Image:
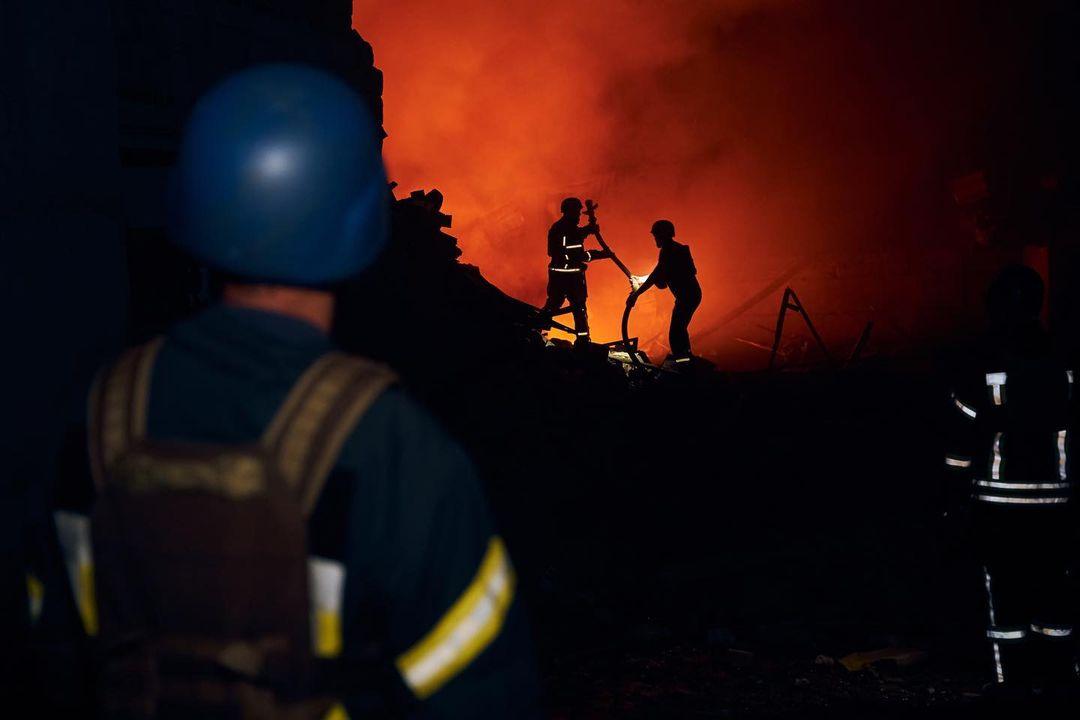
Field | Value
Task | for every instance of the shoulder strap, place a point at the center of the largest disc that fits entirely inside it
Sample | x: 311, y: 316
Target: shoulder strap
x: 309, y: 430
x: 117, y: 407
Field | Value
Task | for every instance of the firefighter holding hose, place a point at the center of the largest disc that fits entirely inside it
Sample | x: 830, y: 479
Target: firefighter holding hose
x: 566, y: 269
x: 674, y: 270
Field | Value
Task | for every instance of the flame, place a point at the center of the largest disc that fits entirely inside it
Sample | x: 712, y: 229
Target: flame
x: 784, y: 139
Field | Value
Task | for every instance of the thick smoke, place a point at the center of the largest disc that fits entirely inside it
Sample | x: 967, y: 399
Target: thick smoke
x: 788, y: 141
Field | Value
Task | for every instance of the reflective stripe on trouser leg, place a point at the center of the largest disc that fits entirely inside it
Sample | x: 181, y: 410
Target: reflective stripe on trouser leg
x: 1052, y: 631
x: 999, y: 669
x: 1063, y: 459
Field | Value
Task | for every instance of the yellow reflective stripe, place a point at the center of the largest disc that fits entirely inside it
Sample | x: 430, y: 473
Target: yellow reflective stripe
x: 326, y: 587
x: 466, y: 629
x: 35, y: 595
x: 87, y: 599
x: 327, y: 633
x: 336, y: 713
x: 73, y: 531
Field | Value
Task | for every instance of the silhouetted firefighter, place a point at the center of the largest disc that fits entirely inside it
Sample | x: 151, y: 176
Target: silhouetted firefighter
x: 566, y: 271
x: 268, y: 527
x: 1010, y: 418
x: 675, y: 270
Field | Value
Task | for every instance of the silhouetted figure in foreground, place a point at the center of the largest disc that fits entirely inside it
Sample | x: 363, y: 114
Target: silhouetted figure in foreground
x: 569, y: 260
x: 272, y: 528
x: 1011, y: 445
x: 675, y: 270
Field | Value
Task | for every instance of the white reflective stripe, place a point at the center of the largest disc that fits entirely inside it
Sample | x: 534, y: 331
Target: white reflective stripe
x: 326, y: 586
x: 1069, y: 376
x: 583, y: 334
x: 995, y: 463
x: 1021, y: 501
x: 1022, y: 486
x: 681, y: 360
x: 565, y: 269
x: 956, y: 461
x: 966, y: 409
x: 1052, y: 630
x: 989, y: 594
x: 73, y: 532
x: 564, y: 241
x: 999, y: 670
x: 1006, y: 634
x: 996, y: 381
x: 572, y: 247
x: 588, y: 256
x: 466, y: 629
x: 1063, y: 471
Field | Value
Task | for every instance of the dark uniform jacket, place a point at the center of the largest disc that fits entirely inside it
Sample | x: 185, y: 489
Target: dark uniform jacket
x: 402, y: 514
x: 675, y: 269
x: 566, y: 246
x: 1010, y: 425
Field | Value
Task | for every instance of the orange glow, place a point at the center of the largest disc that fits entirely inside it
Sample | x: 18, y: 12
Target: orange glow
x: 780, y: 138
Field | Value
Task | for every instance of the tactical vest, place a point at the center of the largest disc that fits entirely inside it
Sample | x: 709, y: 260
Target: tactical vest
x: 207, y: 604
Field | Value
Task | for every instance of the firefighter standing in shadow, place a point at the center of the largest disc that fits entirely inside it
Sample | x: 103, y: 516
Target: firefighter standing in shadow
x: 1010, y: 442
x: 566, y: 270
x: 265, y: 526
x: 675, y: 270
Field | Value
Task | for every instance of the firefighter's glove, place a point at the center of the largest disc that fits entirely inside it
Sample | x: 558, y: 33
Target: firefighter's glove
x: 592, y: 229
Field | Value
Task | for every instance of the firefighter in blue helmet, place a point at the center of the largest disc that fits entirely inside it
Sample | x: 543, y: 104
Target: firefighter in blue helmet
x: 269, y: 527
x: 1010, y: 425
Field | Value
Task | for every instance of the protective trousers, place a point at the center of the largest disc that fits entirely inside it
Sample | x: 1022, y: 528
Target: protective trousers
x: 679, y: 334
x: 1026, y: 576
x: 569, y: 286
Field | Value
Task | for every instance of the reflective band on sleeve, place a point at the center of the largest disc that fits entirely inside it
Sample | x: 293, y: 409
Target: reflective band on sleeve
x: 326, y: 583
x: 998, y: 668
x: 583, y: 334
x: 957, y: 461
x: 465, y: 630
x: 566, y: 270
x: 1063, y: 460
x: 997, y: 634
x: 966, y: 409
x: 1022, y: 486
x: 1021, y: 500
x: 573, y: 247
x: 1052, y: 630
x: 995, y: 461
x: 682, y: 360
x: 996, y: 381
x: 35, y: 595
x: 337, y: 712
x: 588, y: 256
x: 73, y: 531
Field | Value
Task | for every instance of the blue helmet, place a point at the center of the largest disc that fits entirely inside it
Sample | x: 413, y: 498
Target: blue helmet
x: 279, y: 179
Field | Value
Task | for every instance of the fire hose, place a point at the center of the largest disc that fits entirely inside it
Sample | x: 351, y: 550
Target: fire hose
x: 590, y: 212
